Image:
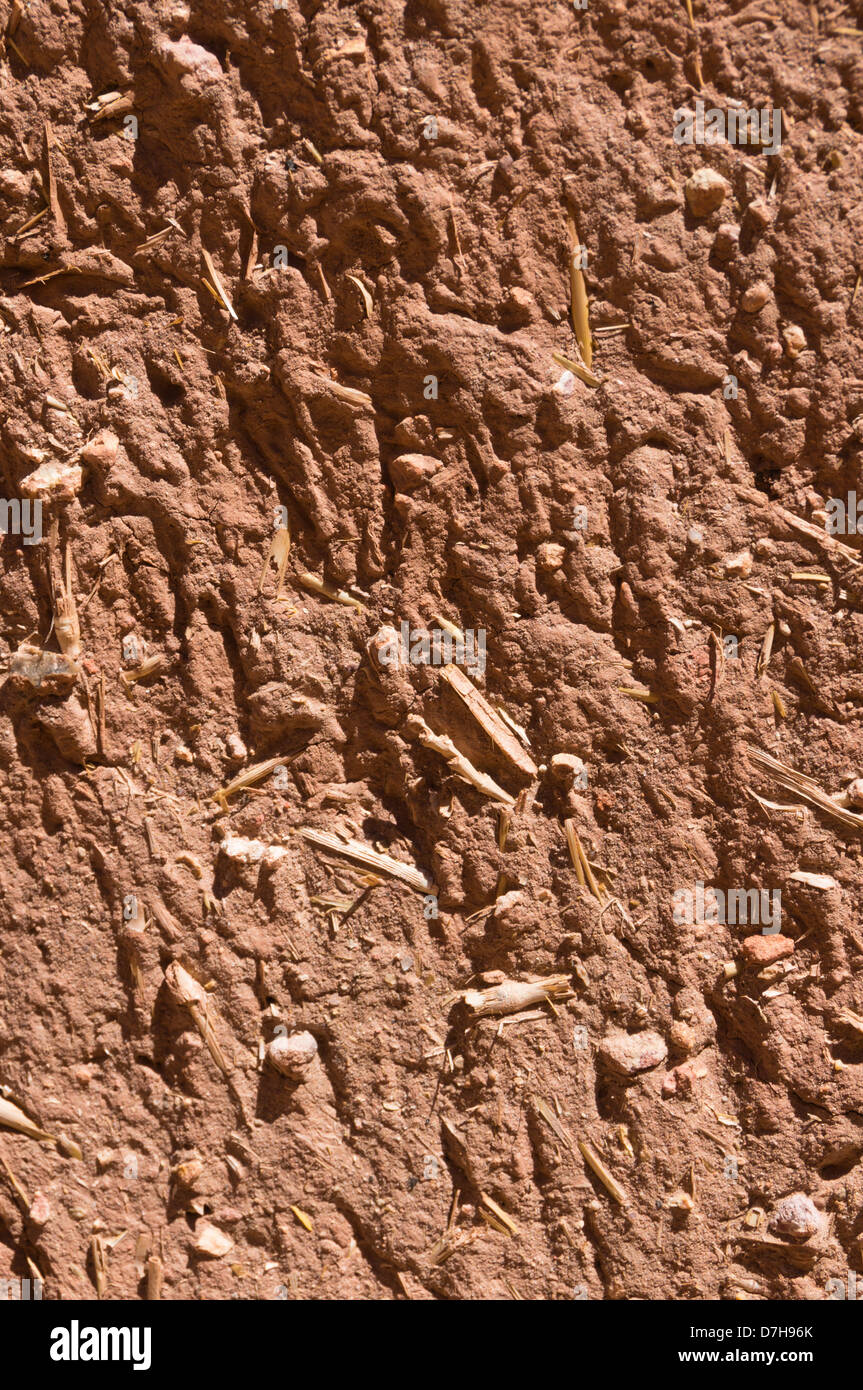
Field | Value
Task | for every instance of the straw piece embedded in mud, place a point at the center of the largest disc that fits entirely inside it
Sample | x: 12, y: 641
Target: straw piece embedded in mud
x: 818, y: 534
x: 158, y: 237
x: 560, y: 1131
x: 766, y: 650
x: 252, y: 253
x: 797, y: 811
x: 220, y: 290
x: 575, y: 851
x: 368, y: 302
x: 370, y: 859
x: 511, y: 996
x: 526, y: 1016
x: 320, y: 586
x: 805, y: 787
x: 717, y: 664
x: 447, y: 626
x: 51, y: 275
x: 151, y: 666
x: 247, y: 778
x: 30, y: 223
x: 66, y: 625
x: 452, y: 1240
x: 280, y: 549
x: 495, y: 1215
x: 110, y: 104
x: 578, y: 296
x: 458, y: 258
x: 583, y: 871
x: 850, y: 1019
x: 489, y: 720
x: 779, y: 705
x: 51, y: 181
x: 416, y: 727
x: 192, y: 995
x: 638, y: 693
x: 155, y: 1274
x: 167, y: 924
x: 328, y: 294
x: 514, y: 728
x: 811, y: 577
x: 17, y: 1190
x: 346, y: 393
x: 822, y: 881
x: 699, y: 75
x: 99, y: 1262
x: 595, y: 1163
x: 13, y: 1118
x: 304, y: 1219
x: 577, y: 368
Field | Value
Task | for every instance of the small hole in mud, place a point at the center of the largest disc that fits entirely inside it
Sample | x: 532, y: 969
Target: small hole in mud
x: 831, y: 1171
x: 379, y: 829
x: 169, y: 392
x: 620, y: 81
x: 767, y: 479
x: 218, y: 47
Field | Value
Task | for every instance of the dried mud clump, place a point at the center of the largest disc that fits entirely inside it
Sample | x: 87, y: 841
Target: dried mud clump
x: 432, y: 624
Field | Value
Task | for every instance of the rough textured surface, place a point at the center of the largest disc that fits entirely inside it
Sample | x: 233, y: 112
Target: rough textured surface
x: 603, y: 539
